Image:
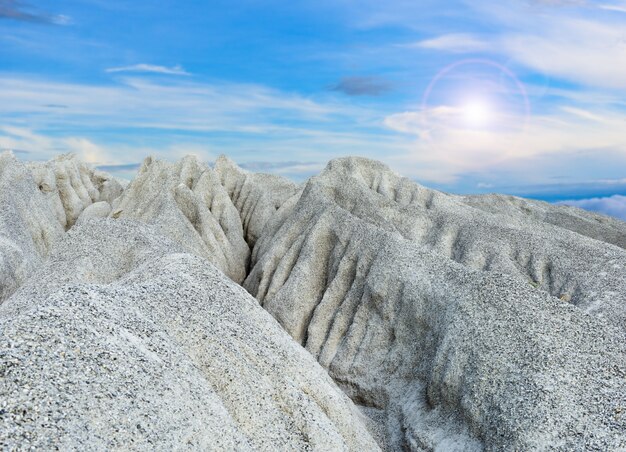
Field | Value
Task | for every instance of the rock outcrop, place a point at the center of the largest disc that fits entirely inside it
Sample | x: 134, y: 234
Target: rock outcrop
x: 100, y: 209
x: 145, y: 347
x: 460, y: 328
x: 438, y: 322
x: 28, y: 227
x: 186, y: 201
x: 563, y: 263
x: 591, y: 224
x: 71, y: 186
x: 256, y: 196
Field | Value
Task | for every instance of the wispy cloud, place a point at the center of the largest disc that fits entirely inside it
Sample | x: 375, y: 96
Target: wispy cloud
x: 455, y: 42
x: 149, y: 68
x: 362, y: 86
x: 573, y: 45
x: 614, y: 206
x: 577, y: 50
x: 585, y: 114
x: 174, y: 70
x: 141, y: 103
x: 136, y: 117
x: 616, y: 8
x: 22, y: 11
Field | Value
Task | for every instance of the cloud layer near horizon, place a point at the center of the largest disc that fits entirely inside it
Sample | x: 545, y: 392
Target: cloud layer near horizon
x: 614, y: 206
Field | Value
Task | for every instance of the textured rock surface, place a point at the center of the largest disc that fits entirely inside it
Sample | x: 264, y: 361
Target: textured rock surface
x: 100, y: 209
x: 567, y: 265
x: 453, y: 323
x: 591, y: 224
x: 422, y: 308
x: 186, y: 201
x: 71, y: 186
x: 256, y: 196
x: 28, y: 227
x: 143, y: 347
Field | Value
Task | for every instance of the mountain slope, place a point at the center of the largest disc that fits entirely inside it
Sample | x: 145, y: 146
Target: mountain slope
x: 144, y: 347
x: 422, y: 308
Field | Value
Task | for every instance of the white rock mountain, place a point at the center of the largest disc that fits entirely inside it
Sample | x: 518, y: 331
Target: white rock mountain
x: 209, y: 308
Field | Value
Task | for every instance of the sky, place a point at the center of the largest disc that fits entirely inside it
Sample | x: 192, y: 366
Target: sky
x: 521, y: 97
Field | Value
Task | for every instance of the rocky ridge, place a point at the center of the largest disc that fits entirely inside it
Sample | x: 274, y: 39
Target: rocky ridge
x: 403, y: 317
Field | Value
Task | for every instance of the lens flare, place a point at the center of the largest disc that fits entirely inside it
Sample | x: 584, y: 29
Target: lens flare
x: 478, y: 113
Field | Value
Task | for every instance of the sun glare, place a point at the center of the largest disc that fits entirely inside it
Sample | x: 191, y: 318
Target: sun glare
x: 476, y: 114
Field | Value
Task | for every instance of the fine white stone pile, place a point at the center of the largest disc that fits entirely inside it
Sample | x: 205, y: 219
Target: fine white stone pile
x: 385, y: 314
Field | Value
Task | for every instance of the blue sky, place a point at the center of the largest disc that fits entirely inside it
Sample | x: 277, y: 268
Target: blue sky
x: 523, y: 97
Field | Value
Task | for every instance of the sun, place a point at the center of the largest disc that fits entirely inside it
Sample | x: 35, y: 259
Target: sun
x: 476, y: 113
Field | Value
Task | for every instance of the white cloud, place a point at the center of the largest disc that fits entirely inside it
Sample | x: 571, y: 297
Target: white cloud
x: 619, y: 9
x: 574, y: 44
x: 614, y: 206
x: 584, y: 114
x: 174, y: 70
x: 182, y: 106
x: 136, y: 117
x: 455, y: 42
x: 46, y: 146
x: 582, y: 51
x: 87, y: 150
x: 406, y: 122
x: 453, y: 149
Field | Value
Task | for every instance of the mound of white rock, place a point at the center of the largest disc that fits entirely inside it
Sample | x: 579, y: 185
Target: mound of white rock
x: 123, y: 341
x: 446, y: 323
x: 386, y: 314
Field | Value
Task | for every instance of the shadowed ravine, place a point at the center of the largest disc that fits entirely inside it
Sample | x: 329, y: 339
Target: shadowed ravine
x: 401, y: 317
